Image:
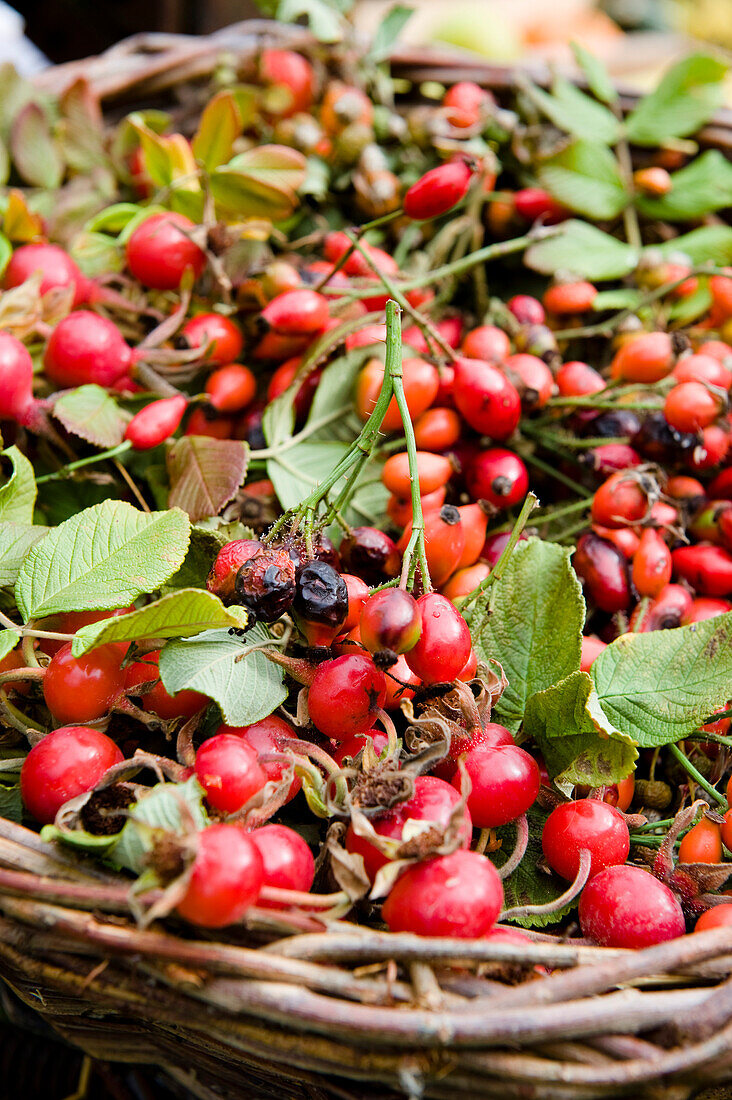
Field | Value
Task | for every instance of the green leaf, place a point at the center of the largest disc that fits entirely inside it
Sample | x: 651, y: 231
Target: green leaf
x: 204, y: 546
x: 323, y: 18
x: 703, y: 186
x: 388, y: 31
x: 218, y: 129
x: 93, y: 414
x: 114, y: 218
x: 688, y: 309
x: 246, y: 688
x: 11, y: 804
x: 4, y: 163
x: 105, y: 557
x: 595, y: 73
x: 178, y: 615
x: 274, y: 165
x: 156, y: 155
x: 528, y: 885
x: 624, y: 297
x: 708, y: 244
x: 659, y: 687
x: 80, y: 129
x: 296, y: 472
x: 686, y: 98
x: 34, y: 151
x: 278, y: 420
x: 16, y: 539
x: 15, y: 92
x: 96, y: 254
x: 240, y: 195
x: 583, y: 251
x: 534, y: 626
x: 205, y: 473
x: 161, y: 809
x: 6, y: 251
x: 586, y: 177
x: 18, y: 494
x: 571, y: 110
x: 8, y: 641
x: 577, y: 742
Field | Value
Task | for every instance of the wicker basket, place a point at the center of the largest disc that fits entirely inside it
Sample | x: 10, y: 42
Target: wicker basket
x: 346, y: 1012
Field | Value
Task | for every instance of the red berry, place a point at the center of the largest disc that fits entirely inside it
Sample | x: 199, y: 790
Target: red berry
x: 532, y: 378
x: 229, y: 560
x: 719, y: 916
x: 358, y: 593
x: 294, y: 72
x: 351, y: 748
x: 492, y: 735
x: 86, y: 348
x: 466, y: 103
x: 296, y: 312
x: 370, y: 554
x: 56, y: 267
x: 567, y: 298
x: 390, y: 619
x: 592, y: 647
x: 628, y: 907
x: 533, y: 203
x: 691, y: 406
x: 494, y: 546
x: 437, y: 191
x: 219, y: 334
x: 155, y: 423
x: 444, y: 644
x: 184, y: 704
x: 703, y: 368
x: 604, y: 572
x: 620, y: 501
x: 231, y: 388
x: 485, y: 397
x: 577, y: 379
x: 487, y: 343
x: 458, y: 895
x: 588, y: 823
x: 267, y: 737
x: 703, y: 608
x: 652, y: 565
x: 526, y: 310
x: 702, y: 843
x: 226, y: 879
x: 160, y: 251
x: 646, y: 358
x: 287, y: 861
x: 444, y: 541
x: 505, y: 782
x: 66, y: 763
x: 228, y: 770
x: 707, y: 568
x: 433, y: 801
x: 345, y: 695
x: 498, y: 476
x: 16, y: 379
x: 265, y: 583
x: 80, y: 689
x: 433, y: 471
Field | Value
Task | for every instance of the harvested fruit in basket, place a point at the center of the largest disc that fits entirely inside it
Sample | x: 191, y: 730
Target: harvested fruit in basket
x: 309, y: 613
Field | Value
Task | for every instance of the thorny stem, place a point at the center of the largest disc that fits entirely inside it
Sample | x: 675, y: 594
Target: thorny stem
x: 697, y: 776
x: 359, y: 234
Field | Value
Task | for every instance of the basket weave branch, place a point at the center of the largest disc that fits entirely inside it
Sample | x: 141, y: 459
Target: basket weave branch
x: 349, y: 1012
x: 342, y: 1011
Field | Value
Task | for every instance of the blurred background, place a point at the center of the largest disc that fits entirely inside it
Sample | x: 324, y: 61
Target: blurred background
x: 634, y: 37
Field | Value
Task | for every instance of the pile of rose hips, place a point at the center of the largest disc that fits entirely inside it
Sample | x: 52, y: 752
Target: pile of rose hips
x: 654, y: 548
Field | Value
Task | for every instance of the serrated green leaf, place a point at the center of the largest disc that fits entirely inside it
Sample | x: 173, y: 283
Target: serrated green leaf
x: 105, y: 557
x: 93, y: 414
x: 18, y: 494
x: 528, y: 885
x: 178, y: 615
x: 585, y: 177
x: 35, y: 153
x: 8, y: 641
x: 278, y: 419
x: 16, y: 539
x: 205, y: 473
x: 584, y: 251
x: 15, y: 92
x: 578, y: 743
x: 659, y: 687
x: 595, y: 73
x: 570, y: 109
x: 246, y: 688
x: 703, y: 186
x: 275, y: 165
x: 204, y: 546
x: 534, y: 625
x: 219, y: 127
x: 388, y: 31
x: 708, y: 244
x: 240, y: 195
x: 168, y: 807
x: 686, y: 98
x: 80, y: 128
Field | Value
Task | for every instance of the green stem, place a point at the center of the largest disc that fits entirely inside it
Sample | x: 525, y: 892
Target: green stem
x: 475, y: 597
x: 592, y: 403
x: 416, y: 540
x: 360, y: 232
x: 101, y: 456
x: 465, y: 263
x: 697, y: 776
x: 650, y: 826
